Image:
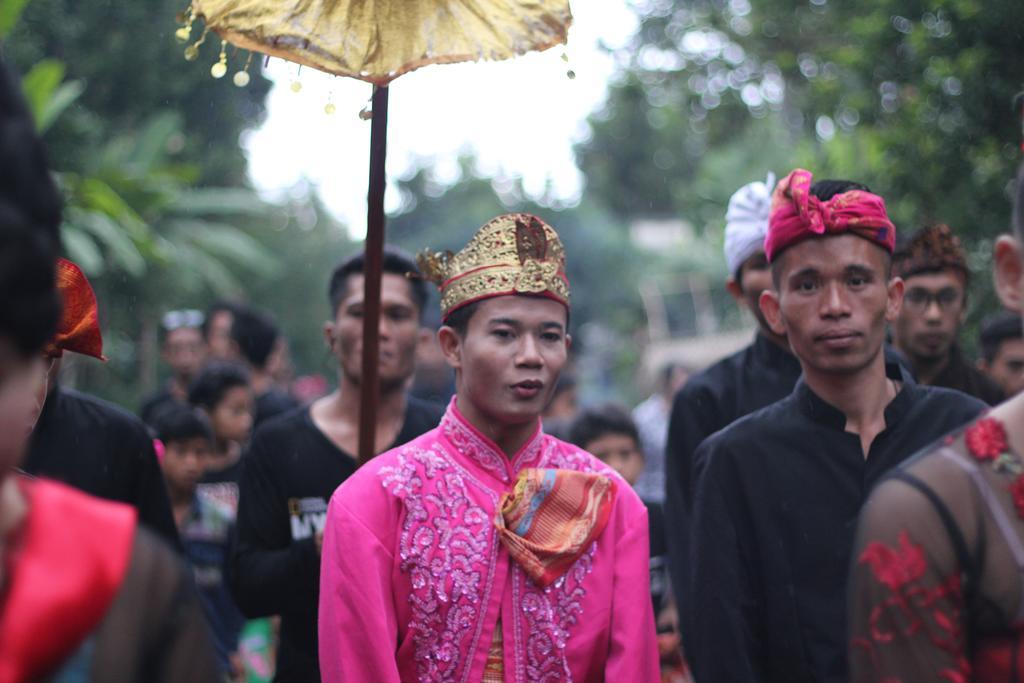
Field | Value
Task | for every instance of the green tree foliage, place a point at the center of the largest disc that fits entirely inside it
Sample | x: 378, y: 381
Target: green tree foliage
x: 309, y: 244
x: 158, y: 212
x: 132, y: 68
x: 911, y: 96
x: 158, y: 209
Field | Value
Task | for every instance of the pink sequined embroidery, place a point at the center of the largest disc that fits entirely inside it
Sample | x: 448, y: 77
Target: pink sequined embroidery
x: 546, y: 616
x: 473, y: 447
x: 448, y: 550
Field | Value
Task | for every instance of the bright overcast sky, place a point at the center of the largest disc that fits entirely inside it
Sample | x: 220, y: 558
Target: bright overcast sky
x: 518, y: 117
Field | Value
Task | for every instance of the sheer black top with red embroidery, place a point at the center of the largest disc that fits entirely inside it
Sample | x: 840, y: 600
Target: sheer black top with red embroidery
x: 937, y: 587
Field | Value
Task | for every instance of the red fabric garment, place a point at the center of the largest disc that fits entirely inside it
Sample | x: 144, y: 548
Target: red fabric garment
x: 797, y: 215
x: 79, y: 329
x: 65, y: 568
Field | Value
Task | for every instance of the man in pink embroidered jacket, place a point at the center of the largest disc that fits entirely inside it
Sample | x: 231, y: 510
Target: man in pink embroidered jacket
x: 485, y: 550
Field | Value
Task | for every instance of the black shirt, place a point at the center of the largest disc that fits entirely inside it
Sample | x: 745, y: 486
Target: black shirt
x: 103, y: 450
x: 749, y: 380
x: 659, y: 556
x: 270, y: 404
x: 288, y: 476
x: 962, y: 376
x: 778, y: 494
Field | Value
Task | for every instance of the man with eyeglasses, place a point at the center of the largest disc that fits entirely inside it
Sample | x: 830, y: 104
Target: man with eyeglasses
x: 934, y: 267
x: 184, y: 351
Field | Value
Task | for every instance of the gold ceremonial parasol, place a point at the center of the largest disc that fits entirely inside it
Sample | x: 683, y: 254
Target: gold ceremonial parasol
x: 377, y: 41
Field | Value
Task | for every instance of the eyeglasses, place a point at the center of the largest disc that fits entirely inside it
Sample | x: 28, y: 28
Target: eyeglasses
x: 174, y: 320
x: 921, y: 299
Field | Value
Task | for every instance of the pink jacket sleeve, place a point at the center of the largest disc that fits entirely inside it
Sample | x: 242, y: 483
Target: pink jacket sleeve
x: 634, y: 645
x: 357, y: 621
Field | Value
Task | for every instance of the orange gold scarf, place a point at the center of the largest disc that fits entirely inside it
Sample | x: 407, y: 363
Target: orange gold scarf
x: 551, y: 517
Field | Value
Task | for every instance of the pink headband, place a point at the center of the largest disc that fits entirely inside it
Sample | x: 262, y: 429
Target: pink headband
x: 797, y: 215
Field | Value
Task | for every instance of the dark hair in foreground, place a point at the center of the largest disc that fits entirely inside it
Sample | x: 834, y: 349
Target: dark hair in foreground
x: 214, y: 381
x: 30, y: 214
x: 395, y: 262
x: 593, y: 423
x: 826, y: 190
x: 179, y: 422
x: 255, y: 332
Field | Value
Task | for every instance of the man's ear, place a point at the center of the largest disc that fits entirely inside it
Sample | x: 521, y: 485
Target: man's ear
x: 329, y: 335
x: 451, y: 346
x: 1008, y: 257
x: 735, y: 290
x: 568, y: 341
x: 894, y: 298
x: 772, y: 311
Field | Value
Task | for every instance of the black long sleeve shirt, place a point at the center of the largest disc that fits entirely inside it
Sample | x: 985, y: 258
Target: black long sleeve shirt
x: 288, y: 476
x: 778, y: 494
x: 98, y: 448
x: 749, y: 380
x: 963, y: 376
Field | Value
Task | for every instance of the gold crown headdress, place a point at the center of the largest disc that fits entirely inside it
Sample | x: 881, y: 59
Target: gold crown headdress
x: 516, y: 253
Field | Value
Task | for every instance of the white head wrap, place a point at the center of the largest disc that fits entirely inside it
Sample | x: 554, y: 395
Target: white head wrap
x: 746, y: 222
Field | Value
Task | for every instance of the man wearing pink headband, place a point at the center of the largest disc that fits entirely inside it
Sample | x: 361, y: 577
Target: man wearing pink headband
x: 763, y: 372
x: 778, y: 492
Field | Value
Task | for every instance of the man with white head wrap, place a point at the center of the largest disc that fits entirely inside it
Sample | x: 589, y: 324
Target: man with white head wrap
x: 760, y: 374
x: 746, y: 222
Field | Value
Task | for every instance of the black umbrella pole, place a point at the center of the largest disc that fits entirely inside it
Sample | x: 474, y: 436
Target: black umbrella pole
x: 369, y: 382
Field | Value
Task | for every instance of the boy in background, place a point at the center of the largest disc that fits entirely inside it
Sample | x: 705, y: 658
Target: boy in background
x: 1002, y: 347
x: 609, y: 433
x: 223, y: 393
x: 204, y: 524
x: 257, y: 338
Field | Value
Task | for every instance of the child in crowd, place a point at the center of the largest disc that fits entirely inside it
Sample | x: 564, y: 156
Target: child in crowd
x: 204, y: 524
x: 609, y: 433
x: 223, y: 393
